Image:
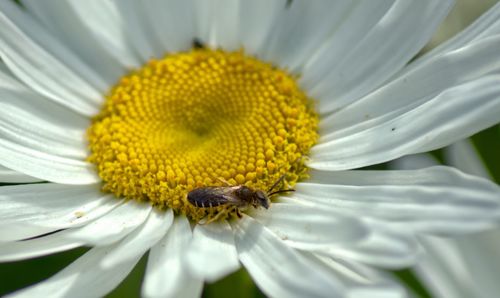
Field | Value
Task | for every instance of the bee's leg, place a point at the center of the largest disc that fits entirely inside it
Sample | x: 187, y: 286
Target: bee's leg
x: 216, y: 217
x: 224, y: 181
x: 238, y: 213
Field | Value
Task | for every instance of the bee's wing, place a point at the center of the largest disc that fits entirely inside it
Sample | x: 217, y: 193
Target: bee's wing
x: 206, y: 197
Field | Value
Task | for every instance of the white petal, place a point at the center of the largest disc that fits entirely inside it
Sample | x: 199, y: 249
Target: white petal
x: 50, y: 43
x: 418, y: 86
x: 54, y: 205
x: 434, y: 200
x: 41, y: 70
x: 37, y: 132
x: 83, y: 278
x: 386, y: 247
x: 142, y: 239
x: 218, y: 23
x: 254, y: 33
x: 46, y: 166
x: 133, y: 16
x: 173, y: 23
x: 463, y: 266
x: 212, y: 253
x: 443, y: 269
x: 32, y: 121
x: 66, y: 23
x: 17, y: 95
x: 453, y: 115
x: 226, y: 24
x: 361, y: 280
x: 310, y: 228
x: 16, y: 231
x: 10, y: 176
x: 166, y: 273
x: 463, y: 156
x: 113, y: 226
x: 277, y: 269
x: 302, y: 31
x: 413, y: 162
x: 393, y: 40
x: 108, y: 28
x: 204, y: 22
x: 485, y: 26
x: 37, y: 247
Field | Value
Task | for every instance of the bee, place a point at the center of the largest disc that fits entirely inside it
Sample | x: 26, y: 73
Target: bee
x: 198, y: 44
x: 241, y: 197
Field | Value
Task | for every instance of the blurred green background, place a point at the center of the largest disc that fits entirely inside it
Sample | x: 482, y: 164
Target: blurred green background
x: 17, y: 275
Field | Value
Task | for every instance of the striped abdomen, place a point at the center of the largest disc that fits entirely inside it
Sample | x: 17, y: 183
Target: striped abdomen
x: 207, y: 197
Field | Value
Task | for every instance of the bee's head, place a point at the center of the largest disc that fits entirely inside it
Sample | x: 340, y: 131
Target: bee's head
x: 262, y: 199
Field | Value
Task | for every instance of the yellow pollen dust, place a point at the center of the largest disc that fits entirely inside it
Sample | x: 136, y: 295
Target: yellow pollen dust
x: 198, y: 118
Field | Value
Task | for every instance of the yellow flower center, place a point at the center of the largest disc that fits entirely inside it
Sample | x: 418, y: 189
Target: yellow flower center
x: 196, y: 119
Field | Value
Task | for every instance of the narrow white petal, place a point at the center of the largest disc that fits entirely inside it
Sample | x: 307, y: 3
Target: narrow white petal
x: 277, y: 269
x: 10, y: 176
x: 113, y: 226
x: 485, y: 26
x: 443, y: 269
x: 39, y: 133
x: 102, y: 20
x: 463, y: 156
x: 386, y: 247
x: 15, y: 231
x: 166, y: 273
x: 452, y: 115
x: 468, y: 265
x: 353, y: 29
x: 413, y: 162
x: 139, y: 31
x: 82, y: 278
x: 303, y: 30
x: 173, y: 23
x: 433, y: 200
x: 142, y: 239
x: 435, y: 78
x: 50, y: 43
x: 41, y: 70
x: 306, y: 227
x: 463, y: 266
x: 54, y: 205
x: 212, y: 253
x: 204, y: 22
x: 217, y: 23
x: 393, y: 39
x: 30, y: 120
x: 46, y: 166
x: 359, y: 279
x: 37, y: 247
x: 254, y: 34
x: 66, y: 24
x: 17, y: 95
x: 226, y: 24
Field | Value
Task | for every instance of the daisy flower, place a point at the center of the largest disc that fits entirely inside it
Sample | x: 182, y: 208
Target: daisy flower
x: 466, y: 265
x: 124, y: 108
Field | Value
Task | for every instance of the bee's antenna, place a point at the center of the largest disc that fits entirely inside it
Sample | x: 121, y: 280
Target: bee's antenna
x: 280, y: 191
x: 276, y: 183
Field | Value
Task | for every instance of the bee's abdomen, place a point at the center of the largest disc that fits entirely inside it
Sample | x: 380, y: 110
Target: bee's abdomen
x: 205, y: 197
